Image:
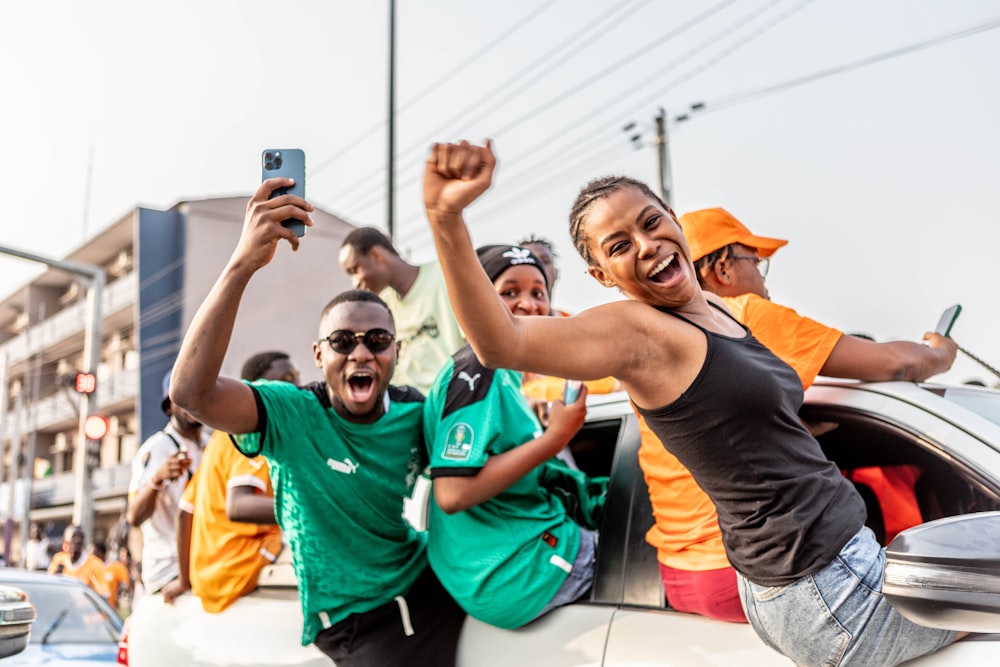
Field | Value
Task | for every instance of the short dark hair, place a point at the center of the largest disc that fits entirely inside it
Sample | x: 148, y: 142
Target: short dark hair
x: 531, y: 239
x: 256, y: 366
x: 357, y: 295
x: 704, y: 264
x: 598, y: 189
x: 363, y: 239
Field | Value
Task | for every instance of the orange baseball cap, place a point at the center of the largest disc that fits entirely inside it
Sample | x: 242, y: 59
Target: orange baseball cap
x: 709, y: 229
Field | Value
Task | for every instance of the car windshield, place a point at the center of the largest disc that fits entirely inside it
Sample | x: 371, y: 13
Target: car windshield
x: 67, y: 615
x: 984, y: 402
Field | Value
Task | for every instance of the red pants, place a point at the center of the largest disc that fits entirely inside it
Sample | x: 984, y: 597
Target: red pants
x: 711, y: 593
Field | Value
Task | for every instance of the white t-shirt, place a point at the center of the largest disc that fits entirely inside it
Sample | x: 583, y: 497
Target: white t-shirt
x: 159, y: 531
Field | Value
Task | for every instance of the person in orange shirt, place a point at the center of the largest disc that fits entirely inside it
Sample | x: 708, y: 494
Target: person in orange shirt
x: 732, y: 263
x: 74, y: 562
x: 226, y: 530
x: 116, y: 576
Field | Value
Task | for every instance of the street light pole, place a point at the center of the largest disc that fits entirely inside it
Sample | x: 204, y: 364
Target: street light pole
x: 83, y: 492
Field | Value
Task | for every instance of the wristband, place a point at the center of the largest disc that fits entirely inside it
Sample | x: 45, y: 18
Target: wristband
x: 155, y: 487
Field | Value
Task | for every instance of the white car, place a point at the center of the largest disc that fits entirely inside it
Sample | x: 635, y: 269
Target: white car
x: 951, y: 433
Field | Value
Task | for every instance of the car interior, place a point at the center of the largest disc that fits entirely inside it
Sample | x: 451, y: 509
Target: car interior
x: 627, y: 571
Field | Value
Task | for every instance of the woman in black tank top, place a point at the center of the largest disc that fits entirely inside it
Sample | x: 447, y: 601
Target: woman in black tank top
x: 810, y: 573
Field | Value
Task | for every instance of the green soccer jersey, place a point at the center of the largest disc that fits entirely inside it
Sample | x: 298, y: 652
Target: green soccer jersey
x: 339, y: 489
x: 506, y: 558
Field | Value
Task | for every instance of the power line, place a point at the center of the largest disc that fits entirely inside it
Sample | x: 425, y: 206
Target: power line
x: 588, y: 116
x: 323, y: 164
x: 747, y: 96
x: 603, y: 23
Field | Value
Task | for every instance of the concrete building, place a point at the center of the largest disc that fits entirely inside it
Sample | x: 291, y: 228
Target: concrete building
x: 158, y: 267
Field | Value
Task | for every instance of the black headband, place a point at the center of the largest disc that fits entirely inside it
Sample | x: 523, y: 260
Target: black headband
x: 498, y: 258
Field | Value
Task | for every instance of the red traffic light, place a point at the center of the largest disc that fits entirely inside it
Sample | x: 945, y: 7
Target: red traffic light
x: 95, y: 427
x: 85, y: 383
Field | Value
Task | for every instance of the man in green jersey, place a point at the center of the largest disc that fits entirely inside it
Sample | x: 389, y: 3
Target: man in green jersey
x: 343, y: 455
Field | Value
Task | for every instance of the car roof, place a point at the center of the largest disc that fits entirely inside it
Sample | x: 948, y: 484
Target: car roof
x: 14, y: 576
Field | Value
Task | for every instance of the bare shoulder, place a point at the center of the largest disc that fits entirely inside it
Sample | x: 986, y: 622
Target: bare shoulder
x: 717, y: 300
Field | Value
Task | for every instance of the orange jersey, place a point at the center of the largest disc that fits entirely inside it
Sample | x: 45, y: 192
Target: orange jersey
x: 548, y: 388
x: 226, y: 556
x: 116, y: 577
x: 686, y: 532
x: 88, y: 568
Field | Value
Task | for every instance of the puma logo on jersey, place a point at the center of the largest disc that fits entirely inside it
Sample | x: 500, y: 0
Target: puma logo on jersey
x: 347, y: 466
x: 462, y: 375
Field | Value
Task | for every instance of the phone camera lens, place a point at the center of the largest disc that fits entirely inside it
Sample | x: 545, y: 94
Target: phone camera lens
x: 268, y: 155
x: 277, y: 163
x: 269, y: 165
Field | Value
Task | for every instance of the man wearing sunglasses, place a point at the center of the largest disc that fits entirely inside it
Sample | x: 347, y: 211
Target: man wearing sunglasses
x: 344, y: 453
x: 732, y: 262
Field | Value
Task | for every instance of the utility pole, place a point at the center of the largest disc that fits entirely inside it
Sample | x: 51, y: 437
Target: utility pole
x: 391, y: 185
x: 663, y: 152
x: 83, y: 491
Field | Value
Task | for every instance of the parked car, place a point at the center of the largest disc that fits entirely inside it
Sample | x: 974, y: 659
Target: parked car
x: 952, y: 434
x: 75, y: 626
x: 16, y: 617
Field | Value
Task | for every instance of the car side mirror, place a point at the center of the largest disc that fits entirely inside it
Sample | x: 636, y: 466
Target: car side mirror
x: 946, y: 573
x: 16, y: 617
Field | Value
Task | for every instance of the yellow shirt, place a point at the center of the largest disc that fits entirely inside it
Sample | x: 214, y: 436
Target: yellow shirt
x: 226, y: 556
x: 686, y: 533
x: 88, y: 568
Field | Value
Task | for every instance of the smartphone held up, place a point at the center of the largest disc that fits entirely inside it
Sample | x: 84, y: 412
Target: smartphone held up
x: 286, y: 163
x: 947, y: 320
x: 571, y: 391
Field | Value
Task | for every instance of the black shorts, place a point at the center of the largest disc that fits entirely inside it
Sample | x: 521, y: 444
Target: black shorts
x: 377, y: 638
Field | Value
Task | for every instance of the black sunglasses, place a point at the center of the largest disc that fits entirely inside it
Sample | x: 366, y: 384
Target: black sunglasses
x: 343, y: 341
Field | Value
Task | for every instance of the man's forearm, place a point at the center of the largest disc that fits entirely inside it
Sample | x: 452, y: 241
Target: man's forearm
x: 207, y: 339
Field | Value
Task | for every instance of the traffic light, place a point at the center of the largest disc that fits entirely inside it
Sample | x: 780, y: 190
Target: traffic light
x: 95, y: 427
x: 85, y: 383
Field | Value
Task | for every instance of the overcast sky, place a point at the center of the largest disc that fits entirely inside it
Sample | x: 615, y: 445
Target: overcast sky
x: 865, y: 132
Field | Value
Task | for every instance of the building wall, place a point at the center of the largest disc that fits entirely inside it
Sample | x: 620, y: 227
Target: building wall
x: 160, y: 265
x: 281, y: 307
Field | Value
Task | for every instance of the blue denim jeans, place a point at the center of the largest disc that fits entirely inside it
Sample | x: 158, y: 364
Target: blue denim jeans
x: 581, y: 578
x: 837, y: 616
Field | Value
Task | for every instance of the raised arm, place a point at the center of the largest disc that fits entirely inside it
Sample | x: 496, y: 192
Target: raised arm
x: 454, y: 177
x: 220, y: 402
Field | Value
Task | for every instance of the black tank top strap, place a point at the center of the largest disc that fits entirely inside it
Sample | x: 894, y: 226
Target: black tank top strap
x: 664, y: 309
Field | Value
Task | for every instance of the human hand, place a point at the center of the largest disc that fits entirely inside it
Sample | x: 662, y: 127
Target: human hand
x: 174, y: 590
x: 455, y: 175
x: 541, y: 409
x: 262, y: 228
x: 945, y: 344
x: 564, y: 421
x: 172, y: 468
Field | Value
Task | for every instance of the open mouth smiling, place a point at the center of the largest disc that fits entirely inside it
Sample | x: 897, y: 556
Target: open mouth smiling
x: 361, y: 385
x: 665, y: 270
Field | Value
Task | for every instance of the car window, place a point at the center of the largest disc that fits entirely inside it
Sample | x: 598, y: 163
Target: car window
x: 903, y: 478
x: 985, y: 403
x: 67, y: 615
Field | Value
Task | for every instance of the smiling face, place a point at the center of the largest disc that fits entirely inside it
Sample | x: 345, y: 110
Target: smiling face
x: 522, y: 288
x: 637, y: 246
x: 366, y: 271
x: 356, y: 381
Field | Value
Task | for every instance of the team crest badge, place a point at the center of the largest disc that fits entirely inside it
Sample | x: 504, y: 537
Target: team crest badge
x: 458, y: 443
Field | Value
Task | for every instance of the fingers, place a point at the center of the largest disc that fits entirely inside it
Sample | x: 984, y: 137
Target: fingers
x: 462, y: 161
